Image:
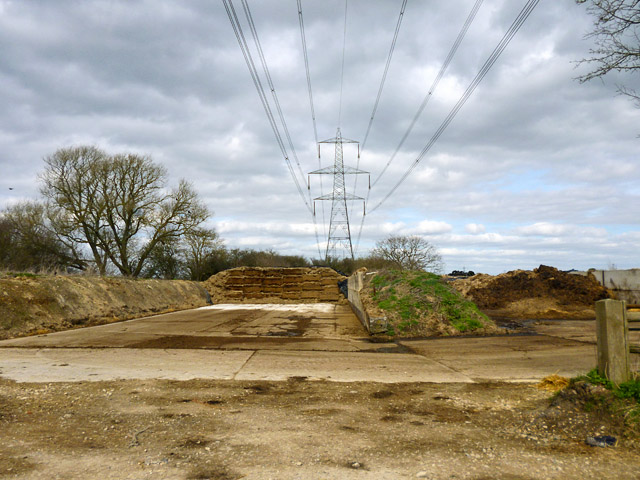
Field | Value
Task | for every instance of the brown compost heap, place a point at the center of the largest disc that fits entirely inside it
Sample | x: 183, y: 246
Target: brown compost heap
x: 545, y: 292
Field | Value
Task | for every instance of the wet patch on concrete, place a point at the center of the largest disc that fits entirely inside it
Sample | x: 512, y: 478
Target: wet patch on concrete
x: 389, y: 348
x: 283, y: 333
x: 190, y: 341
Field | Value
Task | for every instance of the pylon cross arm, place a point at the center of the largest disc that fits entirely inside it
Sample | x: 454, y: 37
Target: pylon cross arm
x: 346, y: 196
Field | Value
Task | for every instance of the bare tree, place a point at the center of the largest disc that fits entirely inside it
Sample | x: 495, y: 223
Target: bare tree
x: 75, y: 207
x: 117, y: 205
x: 617, y: 36
x: 165, y: 261
x: 409, y: 253
x: 27, y: 241
x: 199, y: 245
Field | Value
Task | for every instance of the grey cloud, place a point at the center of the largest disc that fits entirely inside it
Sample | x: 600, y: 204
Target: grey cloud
x: 532, y: 146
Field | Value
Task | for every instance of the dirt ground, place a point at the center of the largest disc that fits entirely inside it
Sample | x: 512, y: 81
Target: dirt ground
x: 300, y: 429
x: 303, y: 429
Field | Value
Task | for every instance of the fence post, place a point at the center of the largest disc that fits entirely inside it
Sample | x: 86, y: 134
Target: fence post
x: 613, y: 342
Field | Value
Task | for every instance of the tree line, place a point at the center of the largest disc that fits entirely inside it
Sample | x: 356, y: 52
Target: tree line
x: 116, y: 214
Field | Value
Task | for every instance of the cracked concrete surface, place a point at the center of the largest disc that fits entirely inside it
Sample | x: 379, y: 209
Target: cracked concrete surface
x: 276, y: 342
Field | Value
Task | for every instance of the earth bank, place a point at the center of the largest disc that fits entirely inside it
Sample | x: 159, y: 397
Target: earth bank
x: 421, y: 304
x: 35, y: 304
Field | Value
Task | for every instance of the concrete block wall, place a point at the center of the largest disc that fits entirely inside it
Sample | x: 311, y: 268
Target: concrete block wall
x: 291, y: 285
x: 624, y: 283
x: 355, y: 286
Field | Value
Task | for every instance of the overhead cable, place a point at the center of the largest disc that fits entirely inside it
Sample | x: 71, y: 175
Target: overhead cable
x: 344, y: 43
x: 263, y: 61
x: 313, y: 113
x: 436, y: 81
x: 267, y: 74
x: 506, y: 39
x: 306, y: 66
x: 237, y: 28
x: 375, y: 108
x: 452, y: 51
x: 384, y: 75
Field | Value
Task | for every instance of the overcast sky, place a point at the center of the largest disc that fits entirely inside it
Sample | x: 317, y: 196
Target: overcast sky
x: 535, y: 169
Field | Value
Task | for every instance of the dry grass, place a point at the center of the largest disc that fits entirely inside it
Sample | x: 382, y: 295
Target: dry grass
x: 553, y: 383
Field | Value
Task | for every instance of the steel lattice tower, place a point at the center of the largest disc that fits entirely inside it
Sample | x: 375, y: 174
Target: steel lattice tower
x: 339, y: 241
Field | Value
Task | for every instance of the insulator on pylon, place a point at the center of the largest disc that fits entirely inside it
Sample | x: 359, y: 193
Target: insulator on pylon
x: 309, y: 182
x: 318, y: 150
x: 358, y: 150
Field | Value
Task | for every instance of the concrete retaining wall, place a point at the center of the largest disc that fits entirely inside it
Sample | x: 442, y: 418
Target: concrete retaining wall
x: 624, y: 283
x: 355, y: 286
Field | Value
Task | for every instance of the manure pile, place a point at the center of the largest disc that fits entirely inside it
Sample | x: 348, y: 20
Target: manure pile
x: 545, y: 292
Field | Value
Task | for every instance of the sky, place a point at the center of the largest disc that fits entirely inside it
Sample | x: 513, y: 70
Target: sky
x: 536, y: 168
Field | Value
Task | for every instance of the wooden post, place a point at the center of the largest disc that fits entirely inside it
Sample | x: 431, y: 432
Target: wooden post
x: 613, y: 340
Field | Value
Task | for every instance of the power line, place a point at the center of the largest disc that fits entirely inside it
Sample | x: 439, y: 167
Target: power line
x: 384, y: 75
x: 344, y: 43
x: 443, y: 68
x: 256, y: 39
x: 506, y: 39
x: 237, y: 28
x: 267, y: 74
x: 313, y: 117
x: 306, y: 66
x: 375, y: 108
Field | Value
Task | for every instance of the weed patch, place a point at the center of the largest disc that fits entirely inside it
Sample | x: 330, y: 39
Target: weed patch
x: 620, y: 404
x: 630, y: 389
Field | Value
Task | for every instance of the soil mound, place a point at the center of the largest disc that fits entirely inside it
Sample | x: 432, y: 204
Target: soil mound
x: 420, y: 304
x: 545, y: 292
x: 36, y: 304
x: 275, y: 285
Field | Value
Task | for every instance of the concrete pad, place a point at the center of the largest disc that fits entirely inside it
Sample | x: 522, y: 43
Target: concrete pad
x: 189, y: 342
x: 276, y: 342
x: 509, y: 358
x: 318, y: 320
x: 347, y: 367
x: 74, y: 365
x: 579, y: 330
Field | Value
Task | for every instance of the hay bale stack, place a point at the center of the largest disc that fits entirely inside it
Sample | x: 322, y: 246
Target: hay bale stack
x: 275, y: 285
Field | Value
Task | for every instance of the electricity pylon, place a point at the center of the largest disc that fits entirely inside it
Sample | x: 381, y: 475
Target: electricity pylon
x: 339, y: 241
